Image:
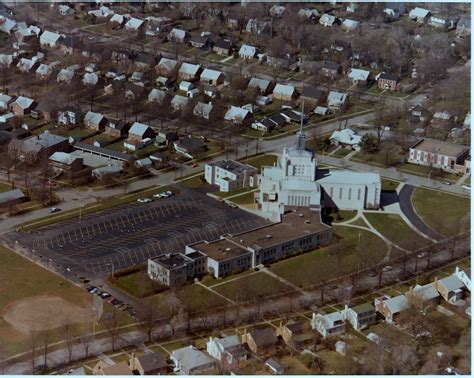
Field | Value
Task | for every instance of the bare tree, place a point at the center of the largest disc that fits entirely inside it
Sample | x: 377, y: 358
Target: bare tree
x: 67, y: 333
x: 149, y: 318
x: 112, y: 325
x: 33, y: 347
x: 85, y: 340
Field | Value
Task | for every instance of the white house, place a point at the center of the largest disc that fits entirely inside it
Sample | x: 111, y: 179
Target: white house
x: 360, y: 316
x: 49, y: 39
x: 134, y: 24
x: 329, y: 325
x: 284, y: 92
x: 185, y: 86
x: 237, y: 115
x: 349, y: 24
x: 327, y: 20
x: 358, y: 76
x: 5, y: 101
x: 346, y: 138
x: 65, y: 10
x: 336, y: 100
x: 226, y: 349
x: 420, y: 15
x: 230, y: 175
x: 157, y: 96
x: 90, y: 78
x: 203, y: 110
x: 179, y: 102
x: 189, y: 360
x: 247, y: 52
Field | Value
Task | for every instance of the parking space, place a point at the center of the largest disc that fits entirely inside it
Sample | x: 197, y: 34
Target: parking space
x: 97, y: 244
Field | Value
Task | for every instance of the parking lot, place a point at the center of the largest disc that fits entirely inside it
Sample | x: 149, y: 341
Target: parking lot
x: 97, y: 244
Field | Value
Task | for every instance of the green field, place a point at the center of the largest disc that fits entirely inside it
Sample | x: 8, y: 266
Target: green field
x: 424, y: 171
x: 252, y: 287
x: 194, y: 182
x: 233, y: 192
x: 137, y: 284
x: 262, y: 160
x: 389, y: 185
x: 394, y: 228
x: 343, y: 215
x: 4, y: 187
x: 341, y: 152
x: 244, y: 199
x: 443, y: 212
x: 20, y: 279
x: 334, y: 260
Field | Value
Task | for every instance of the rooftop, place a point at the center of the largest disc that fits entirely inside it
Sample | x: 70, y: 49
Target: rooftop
x: 172, y: 260
x: 347, y: 177
x: 232, y: 166
x: 220, y: 250
x: 297, y: 223
x: 439, y: 147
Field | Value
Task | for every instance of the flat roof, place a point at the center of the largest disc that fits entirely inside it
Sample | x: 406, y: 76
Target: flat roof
x: 299, y: 222
x: 439, y: 147
x: 220, y: 250
x: 347, y: 177
x: 171, y: 260
x: 102, y: 151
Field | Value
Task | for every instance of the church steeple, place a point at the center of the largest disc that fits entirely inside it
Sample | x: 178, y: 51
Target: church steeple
x: 300, y: 138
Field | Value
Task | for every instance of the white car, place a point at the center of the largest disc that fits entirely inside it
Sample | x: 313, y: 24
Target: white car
x: 157, y: 195
x: 169, y: 193
x: 144, y: 200
x: 466, y: 186
x: 421, y: 255
x: 387, y: 268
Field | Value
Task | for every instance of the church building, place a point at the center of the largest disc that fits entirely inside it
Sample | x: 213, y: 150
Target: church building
x: 296, y: 181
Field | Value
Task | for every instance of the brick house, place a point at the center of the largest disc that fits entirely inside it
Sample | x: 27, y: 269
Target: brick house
x: 388, y: 82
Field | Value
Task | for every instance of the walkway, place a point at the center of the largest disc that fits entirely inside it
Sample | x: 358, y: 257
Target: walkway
x: 215, y: 292
x: 406, y: 206
x: 271, y: 274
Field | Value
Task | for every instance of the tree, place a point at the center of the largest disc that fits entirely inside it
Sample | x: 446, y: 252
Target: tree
x: 33, y: 347
x: 85, y: 339
x: 113, y: 328
x: 369, y: 144
x: 67, y: 332
x: 45, y: 339
x: 149, y: 318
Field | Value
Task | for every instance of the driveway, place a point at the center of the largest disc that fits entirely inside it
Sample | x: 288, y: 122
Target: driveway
x: 408, y: 210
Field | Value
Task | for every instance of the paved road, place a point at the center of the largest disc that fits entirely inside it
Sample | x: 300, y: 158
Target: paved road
x: 406, y: 205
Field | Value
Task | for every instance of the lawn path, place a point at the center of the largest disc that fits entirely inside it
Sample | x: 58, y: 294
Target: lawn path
x: 271, y: 274
x: 215, y: 292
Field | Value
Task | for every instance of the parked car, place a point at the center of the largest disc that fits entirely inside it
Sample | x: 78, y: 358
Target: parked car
x: 144, y: 200
x: 421, y: 255
x: 104, y: 295
x: 466, y: 186
x: 54, y: 210
x: 169, y: 193
x: 446, y: 183
x: 387, y: 268
x: 373, y: 273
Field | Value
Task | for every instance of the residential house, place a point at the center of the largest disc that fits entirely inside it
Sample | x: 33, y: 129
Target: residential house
x: 284, y: 92
x: 10, y: 198
x: 134, y: 24
x: 442, y: 120
x: 179, y: 102
x: 263, y: 85
x: 156, y: 25
x: 438, y: 154
x: 442, y: 22
x: 466, y: 123
x: 26, y: 65
x: 69, y: 117
x: 199, y: 41
x: 357, y: 76
x: 185, y: 86
x: 22, y: 106
x: 391, y: 308
x: 312, y: 94
x: 90, y: 79
x: 113, y: 156
x: 203, y: 110
x: 350, y: 25
x: 143, y: 163
x: 451, y: 288
x: 167, y: 67
x: 238, y: 115
x: 95, y: 121
x: 261, y: 340
x: 309, y: 13
x: 463, y: 27
x: 148, y: 364
x: 394, y: 10
x: 70, y: 45
x: 337, y: 100
x: 360, y: 316
x: 5, y: 101
x: 230, y: 175
x: 118, y: 20
x: 7, y: 25
x: 423, y: 296
x: 6, y: 60
x: 157, y: 96
x: 292, y: 115
x: 247, y: 52
x: 329, y: 325
x: 65, y: 163
x: 37, y: 147
x: 117, y: 128
x: 228, y: 349
x: 287, y: 61
x: 295, y: 333
x: 389, y: 82
x: 223, y: 46
x: 167, y: 136
x: 44, y: 71
x: 464, y: 277
x: 25, y: 35
x: 266, y: 125
x: 419, y: 114
x: 257, y: 27
x: 144, y: 61
x: 120, y: 368
x: 330, y: 69
x: 328, y: 20
x: 49, y: 39
x: 65, y: 75
x: 346, y: 138
x: 420, y: 15
x: 212, y: 77
x: 189, y: 146
x: 140, y: 132
x: 178, y: 35
x: 190, y: 360
x: 276, y: 11
x: 189, y: 72
x: 321, y: 110
x: 134, y: 92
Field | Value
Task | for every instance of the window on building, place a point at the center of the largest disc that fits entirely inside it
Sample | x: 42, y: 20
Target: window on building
x: 350, y: 194
x: 331, y: 192
x: 340, y: 193
x: 359, y: 191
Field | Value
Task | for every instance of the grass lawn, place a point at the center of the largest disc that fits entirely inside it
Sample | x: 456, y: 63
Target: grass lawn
x: 424, y: 171
x: 341, y: 152
x: 389, y: 185
x: 19, y: 279
x: 332, y: 261
x: 194, y: 182
x: 344, y: 215
x: 262, y: 160
x: 209, y: 281
x: 394, y: 228
x: 443, y: 212
x: 146, y: 151
x: 117, y: 146
x: 101, y: 205
x: 233, y: 192
x: 360, y: 222
x: 374, y: 159
x: 468, y: 180
x: 137, y: 284
x: 244, y: 199
x: 193, y: 297
x: 252, y: 287
x: 4, y: 187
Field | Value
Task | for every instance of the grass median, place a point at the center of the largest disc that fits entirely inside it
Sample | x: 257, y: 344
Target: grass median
x: 90, y: 209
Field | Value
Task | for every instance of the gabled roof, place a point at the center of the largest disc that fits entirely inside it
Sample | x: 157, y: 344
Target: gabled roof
x: 346, y: 136
x: 134, y: 23
x: 191, y: 358
x: 363, y: 308
x: 118, y: 18
x: 71, y: 42
x: 451, y: 283
x: 336, y: 97
x: 262, y: 84
x: 329, y: 321
x: 419, y: 12
x: 223, y: 43
x: 202, y: 109
x: 387, y: 76
x: 209, y: 74
x: 287, y: 90
x: 397, y: 304
x: 350, y: 24
x: 168, y: 64
x: 200, y: 39
x: 145, y: 59
x: 157, y: 94
x: 139, y: 129
x: 331, y: 65
x: 179, y: 100
x: 190, y: 69
x: 7, y: 24
x: 236, y: 113
x: 264, y: 337
x: 63, y: 157
x: 306, y: 12
x: 94, y: 118
x: 327, y: 19
x: 50, y: 37
x: 176, y: 33
x: 357, y: 74
x: 24, y: 102
x: 152, y: 361
x: 311, y: 92
x: 11, y: 195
